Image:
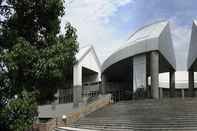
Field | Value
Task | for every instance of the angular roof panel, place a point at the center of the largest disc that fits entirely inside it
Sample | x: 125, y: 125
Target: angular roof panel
x: 192, y: 55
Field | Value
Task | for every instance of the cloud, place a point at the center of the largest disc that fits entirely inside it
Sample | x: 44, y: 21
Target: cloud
x: 92, y: 20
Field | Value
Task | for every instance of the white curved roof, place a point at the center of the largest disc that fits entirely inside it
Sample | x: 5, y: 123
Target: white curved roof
x: 147, y: 32
x: 152, y: 37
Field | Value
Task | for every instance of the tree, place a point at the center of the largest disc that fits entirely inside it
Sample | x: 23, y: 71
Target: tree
x: 35, y: 58
x: 20, y: 113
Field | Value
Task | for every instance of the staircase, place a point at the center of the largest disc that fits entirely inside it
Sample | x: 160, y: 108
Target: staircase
x: 147, y: 115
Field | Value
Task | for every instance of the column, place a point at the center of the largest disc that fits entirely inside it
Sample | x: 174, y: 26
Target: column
x: 103, y: 84
x: 57, y: 95
x: 160, y: 92
x: 191, y: 83
x: 182, y: 93
x: 154, y: 72
x: 172, y: 83
x: 130, y: 79
x: 77, y: 85
x: 77, y: 90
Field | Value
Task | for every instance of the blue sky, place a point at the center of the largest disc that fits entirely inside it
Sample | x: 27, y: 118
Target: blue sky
x: 107, y: 24
x: 143, y: 12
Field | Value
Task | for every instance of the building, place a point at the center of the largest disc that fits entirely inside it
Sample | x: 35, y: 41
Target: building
x: 86, y: 79
x: 148, y: 52
x: 144, y: 65
x: 86, y: 73
x: 192, y: 55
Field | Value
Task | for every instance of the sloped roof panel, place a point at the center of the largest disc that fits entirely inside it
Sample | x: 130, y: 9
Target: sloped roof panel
x: 192, y: 55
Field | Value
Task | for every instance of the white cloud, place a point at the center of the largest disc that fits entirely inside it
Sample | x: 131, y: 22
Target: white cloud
x: 91, y: 18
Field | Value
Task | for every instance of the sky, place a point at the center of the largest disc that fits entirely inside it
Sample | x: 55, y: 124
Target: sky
x: 107, y: 24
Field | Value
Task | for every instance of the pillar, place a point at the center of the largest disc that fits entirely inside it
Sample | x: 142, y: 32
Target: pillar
x: 154, y: 72
x: 77, y: 90
x: 57, y: 95
x: 160, y: 92
x: 103, y: 84
x: 77, y: 85
x: 130, y: 79
x: 182, y: 93
x: 172, y: 83
x: 191, y: 83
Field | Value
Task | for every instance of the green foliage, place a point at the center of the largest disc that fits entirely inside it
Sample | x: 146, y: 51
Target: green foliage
x: 35, y: 20
x: 20, y: 113
x: 35, y: 58
x: 44, y: 69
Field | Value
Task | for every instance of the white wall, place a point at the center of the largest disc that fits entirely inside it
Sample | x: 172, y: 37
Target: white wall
x: 90, y: 62
x: 77, y: 75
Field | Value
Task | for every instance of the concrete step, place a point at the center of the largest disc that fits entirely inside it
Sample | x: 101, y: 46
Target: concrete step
x: 151, y: 115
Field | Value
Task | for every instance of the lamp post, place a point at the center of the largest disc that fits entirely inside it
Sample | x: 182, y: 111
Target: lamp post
x: 64, y: 118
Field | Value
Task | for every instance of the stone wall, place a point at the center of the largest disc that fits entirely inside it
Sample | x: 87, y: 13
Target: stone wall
x: 102, y: 101
x: 49, y: 126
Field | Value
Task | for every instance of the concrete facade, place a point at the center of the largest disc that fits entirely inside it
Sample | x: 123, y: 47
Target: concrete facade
x: 150, y: 52
x: 87, y: 69
x: 192, y: 58
x: 192, y: 54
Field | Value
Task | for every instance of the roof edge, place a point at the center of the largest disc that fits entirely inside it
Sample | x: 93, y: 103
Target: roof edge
x: 160, y: 21
x: 90, y: 47
x: 85, y: 53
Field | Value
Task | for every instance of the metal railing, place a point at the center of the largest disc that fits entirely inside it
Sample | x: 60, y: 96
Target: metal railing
x: 91, y: 89
x: 65, y: 95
